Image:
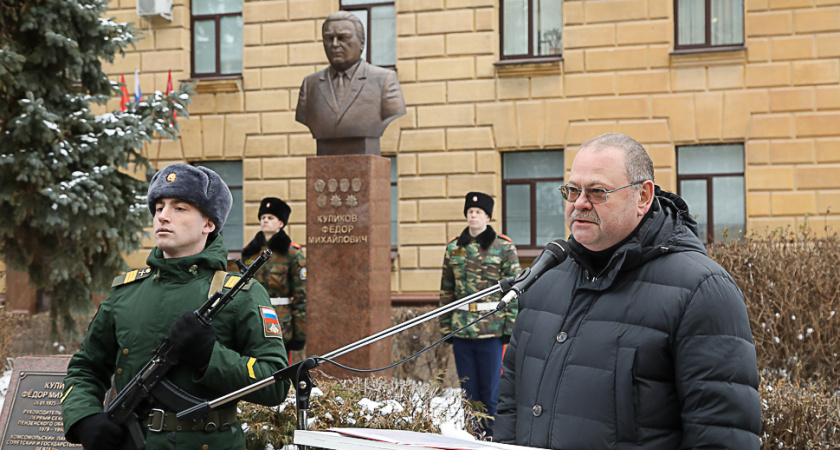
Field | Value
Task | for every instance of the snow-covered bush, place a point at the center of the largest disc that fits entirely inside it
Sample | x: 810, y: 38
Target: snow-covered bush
x: 386, y: 403
x: 792, y: 289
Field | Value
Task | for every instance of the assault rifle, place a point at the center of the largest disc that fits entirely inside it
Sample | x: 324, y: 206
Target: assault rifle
x: 150, y: 380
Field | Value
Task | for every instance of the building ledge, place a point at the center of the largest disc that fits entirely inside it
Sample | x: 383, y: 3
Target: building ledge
x: 532, y: 67
x: 709, y: 56
x: 217, y: 85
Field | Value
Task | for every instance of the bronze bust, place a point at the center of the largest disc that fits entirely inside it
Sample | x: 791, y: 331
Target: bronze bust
x: 350, y: 101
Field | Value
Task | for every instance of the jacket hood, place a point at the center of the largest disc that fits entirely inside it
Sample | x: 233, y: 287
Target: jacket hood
x: 671, y: 229
x: 213, y: 257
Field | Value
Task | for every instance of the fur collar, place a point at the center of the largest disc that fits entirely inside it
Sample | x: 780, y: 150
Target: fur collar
x: 485, y: 239
x: 279, y: 243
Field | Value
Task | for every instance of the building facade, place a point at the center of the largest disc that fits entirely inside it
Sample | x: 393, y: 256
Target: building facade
x: 737, y: 101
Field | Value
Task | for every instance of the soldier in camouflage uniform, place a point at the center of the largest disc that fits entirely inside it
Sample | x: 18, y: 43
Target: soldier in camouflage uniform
x: 474, y: 261
x: 284, y: 274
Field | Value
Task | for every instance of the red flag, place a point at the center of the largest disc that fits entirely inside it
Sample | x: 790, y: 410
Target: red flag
x: 123, y: 93
x: 168, y: 90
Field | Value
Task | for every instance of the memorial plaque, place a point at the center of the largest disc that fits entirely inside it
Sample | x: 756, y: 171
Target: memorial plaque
x: 31, y: 417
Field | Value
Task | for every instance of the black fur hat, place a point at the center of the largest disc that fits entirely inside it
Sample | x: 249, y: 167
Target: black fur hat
x: 479, y: 200
x: 276, y: 207
x: 199, y: 186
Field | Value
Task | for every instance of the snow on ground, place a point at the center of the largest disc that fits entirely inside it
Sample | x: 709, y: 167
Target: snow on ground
x: 453, y: 427
x: 5, y: 379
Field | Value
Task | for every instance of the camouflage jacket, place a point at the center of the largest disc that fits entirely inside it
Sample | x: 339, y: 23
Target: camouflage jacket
x: 283, y: 277
x: 469, y: 266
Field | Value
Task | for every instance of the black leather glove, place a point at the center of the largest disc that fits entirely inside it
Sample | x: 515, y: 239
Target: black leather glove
x: 295, y: 344
x: 505, y: 339
x: 449, y: 340
x: 96, y: 432
x: 192, y: 341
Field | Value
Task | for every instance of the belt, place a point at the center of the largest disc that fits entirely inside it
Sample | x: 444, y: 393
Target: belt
x: 482, y: 306
x: 280, y: 301
x: 160, y: 420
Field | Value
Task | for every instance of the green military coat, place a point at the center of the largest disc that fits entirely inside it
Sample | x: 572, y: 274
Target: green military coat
x: 471, y: 265
x: 283, y: 277
x: 137, y: 316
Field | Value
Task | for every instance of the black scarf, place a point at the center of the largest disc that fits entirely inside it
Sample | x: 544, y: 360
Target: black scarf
x: 596, y: 262
x: 279, y: 243
x: 485, y: 239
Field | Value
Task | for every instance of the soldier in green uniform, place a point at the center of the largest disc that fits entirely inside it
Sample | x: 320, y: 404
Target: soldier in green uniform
x: 474, y: 261
x: 284, y: 274
x: 243, y: 345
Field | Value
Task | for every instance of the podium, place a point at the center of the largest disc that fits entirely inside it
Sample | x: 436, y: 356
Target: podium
x: 365, y: 438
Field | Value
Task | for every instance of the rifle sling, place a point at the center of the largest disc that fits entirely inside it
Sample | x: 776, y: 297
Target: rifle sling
x: 170, y: 397
x: 217, y: 283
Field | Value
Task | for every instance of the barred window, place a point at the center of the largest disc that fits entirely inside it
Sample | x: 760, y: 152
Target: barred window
x: 380, y: 20
x: 231, y: 173
x: 531, y: 28
x: 708, y: 23
x: 533, y: 207
x: 216, y: 38
x: 710, y: 179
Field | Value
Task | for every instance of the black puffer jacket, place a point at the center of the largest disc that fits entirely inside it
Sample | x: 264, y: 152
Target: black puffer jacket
x: 653, y: 353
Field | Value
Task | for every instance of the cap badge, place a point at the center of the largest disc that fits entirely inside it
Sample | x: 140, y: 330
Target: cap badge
x: 268, y: 205
x: 475, y: 197
x: 171, y: 177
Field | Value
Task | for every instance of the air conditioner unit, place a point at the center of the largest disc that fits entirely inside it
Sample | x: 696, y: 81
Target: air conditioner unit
x: 161, y: 8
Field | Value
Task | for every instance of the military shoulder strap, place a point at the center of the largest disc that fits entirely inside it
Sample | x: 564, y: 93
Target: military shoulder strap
x: 131, y: 277
x: 505, y: 237
x: 231, y: 280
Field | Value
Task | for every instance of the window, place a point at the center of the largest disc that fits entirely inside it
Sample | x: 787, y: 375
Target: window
x: 395, y: 202
x: 217, y: 38
x: 531, y: 28
x: 231, y: 172
x: 708, y: 23
x: 711, y: 180
x: 379, y: 18
x: 533, y: 207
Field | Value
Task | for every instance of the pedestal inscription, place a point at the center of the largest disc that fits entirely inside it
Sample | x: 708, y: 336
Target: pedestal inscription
x: 31, y: 417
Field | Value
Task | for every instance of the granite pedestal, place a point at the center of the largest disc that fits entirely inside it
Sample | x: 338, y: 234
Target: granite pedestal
x: 348, y: 287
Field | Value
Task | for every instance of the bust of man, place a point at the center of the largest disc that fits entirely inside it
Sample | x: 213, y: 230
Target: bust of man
x: 350, y: 98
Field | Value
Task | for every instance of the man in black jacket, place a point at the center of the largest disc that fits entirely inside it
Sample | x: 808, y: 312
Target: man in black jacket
x: 638, y: 340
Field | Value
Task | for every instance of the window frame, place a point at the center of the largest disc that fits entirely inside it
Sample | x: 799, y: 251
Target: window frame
x: 709, y: 178
x: 532, y: 186
x: 367, y: 7
x: 707, y: 23
x: 530, y: 56
x: 217, y: 20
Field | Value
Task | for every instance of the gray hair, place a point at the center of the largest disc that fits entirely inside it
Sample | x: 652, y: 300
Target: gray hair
x: 637, y: 162
x: 346, y: 15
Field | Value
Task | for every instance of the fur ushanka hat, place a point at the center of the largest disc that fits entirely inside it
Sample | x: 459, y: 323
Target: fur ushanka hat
x: 199, y: 186
x: 276, y: 207
x: 478, y: 200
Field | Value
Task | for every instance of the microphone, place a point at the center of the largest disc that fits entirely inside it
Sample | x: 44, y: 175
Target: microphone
x: 555, y: 253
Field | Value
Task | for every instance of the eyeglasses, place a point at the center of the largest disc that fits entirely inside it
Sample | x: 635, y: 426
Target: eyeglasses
x: 595, y: 196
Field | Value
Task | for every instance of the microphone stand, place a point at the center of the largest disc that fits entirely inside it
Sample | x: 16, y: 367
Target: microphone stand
x: 299, y: 372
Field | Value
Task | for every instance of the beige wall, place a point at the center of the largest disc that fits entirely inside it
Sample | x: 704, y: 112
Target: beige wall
x: 780, y: 96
